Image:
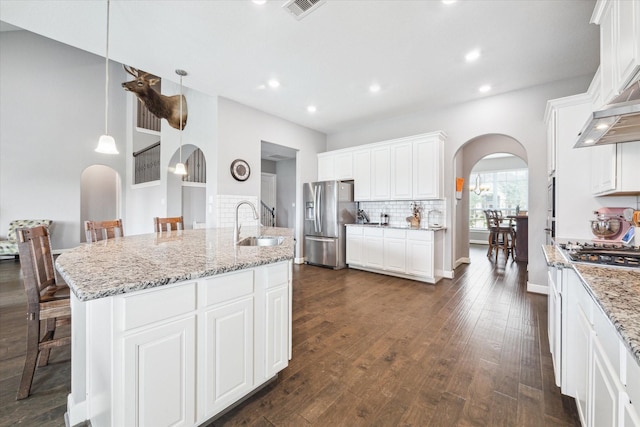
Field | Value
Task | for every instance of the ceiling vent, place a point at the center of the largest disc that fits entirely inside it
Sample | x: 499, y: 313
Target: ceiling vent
x: 301, y: 8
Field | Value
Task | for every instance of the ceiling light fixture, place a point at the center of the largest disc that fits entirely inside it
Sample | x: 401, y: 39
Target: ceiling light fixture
x: 312, y: 108
x: 472, y: 56
x: 448, y: 2
x: 602, y: 126
x: 374, y: 88
x: 484, y: 88
x: 180, y: 168
x: 260, y: 2
x: 273, y: 83
x: 106, y: 143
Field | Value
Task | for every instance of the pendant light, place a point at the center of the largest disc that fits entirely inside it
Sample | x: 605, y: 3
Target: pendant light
x: 180, y: 169
x: 106, y: 143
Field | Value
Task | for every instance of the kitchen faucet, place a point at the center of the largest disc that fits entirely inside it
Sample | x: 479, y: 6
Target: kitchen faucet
x: 236, y: 226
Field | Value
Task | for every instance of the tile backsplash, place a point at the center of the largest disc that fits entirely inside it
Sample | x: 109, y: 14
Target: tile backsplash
x: 227, y: 210
x: 399, y: 210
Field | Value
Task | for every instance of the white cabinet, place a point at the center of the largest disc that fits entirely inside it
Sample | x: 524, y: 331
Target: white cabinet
x: 335, y: 165
x: 615, y: 169
x: 412, y: 254
x: 362, y: 175
x: 373, y: 247
x: 552, y: 139
x: 428, y: 163
x: 554, y: 310
x: 597, y: 368
x: 354, y: 245
x: 619, y: 22
x: 159, y: 375
x: 228, y: 356
x: 402, y: 171
x: 395, y: 250
x: 380, y: 173
x: 180, y: 354
x: 420, y: 257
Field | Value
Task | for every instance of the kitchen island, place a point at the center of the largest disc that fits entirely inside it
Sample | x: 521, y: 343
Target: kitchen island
x: 172, y: 328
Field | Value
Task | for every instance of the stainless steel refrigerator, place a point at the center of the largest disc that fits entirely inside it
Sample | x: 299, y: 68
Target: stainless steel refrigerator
x: 328, y: 206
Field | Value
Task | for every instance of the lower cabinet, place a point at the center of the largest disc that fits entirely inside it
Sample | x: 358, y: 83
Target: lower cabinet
x: 412, y: 254
x: 597, y: 369
x: 177, y: 355
x: 159, y: 372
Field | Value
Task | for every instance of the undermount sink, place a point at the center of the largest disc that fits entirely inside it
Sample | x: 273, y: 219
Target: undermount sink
x: 261, y: 241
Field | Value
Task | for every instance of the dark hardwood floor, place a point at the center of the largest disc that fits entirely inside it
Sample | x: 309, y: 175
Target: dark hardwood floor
x: 367, y: 350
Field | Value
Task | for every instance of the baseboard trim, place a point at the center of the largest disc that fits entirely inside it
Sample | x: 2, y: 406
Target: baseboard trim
x: 463, y: 260
x: 537, y: 289
x: 448, y: 274
x: 298, y: 260
x: 76, y: 412
x: 479, y: 242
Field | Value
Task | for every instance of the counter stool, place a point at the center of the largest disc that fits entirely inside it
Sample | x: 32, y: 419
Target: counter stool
x: 47, y: 303
x: 102, y: 230
x: 168, y: 224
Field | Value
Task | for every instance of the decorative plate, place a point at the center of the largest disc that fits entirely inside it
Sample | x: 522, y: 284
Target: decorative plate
x: 240, y: 170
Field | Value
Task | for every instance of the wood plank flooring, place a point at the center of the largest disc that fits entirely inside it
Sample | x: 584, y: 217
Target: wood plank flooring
x: 368, y: 350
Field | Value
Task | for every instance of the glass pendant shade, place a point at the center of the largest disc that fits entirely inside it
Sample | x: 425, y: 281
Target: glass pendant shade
x: 107, y: 145
x: 180, y: 169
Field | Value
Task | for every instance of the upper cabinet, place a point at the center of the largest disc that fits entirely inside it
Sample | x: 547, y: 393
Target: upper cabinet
x: 335, y: 165
x: 401, y: 169
x: 619, y: 22
x: 615, y: 169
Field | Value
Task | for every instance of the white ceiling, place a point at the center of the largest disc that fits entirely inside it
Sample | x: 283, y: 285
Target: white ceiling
x: 413, y: 49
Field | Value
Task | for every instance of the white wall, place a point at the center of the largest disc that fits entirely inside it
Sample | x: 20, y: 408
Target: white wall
x: 285, y: 193
x: 241, y: 131
x: 51, y: 115
x: 516, y: 114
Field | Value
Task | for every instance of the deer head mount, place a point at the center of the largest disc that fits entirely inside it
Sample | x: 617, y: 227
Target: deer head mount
x: 163, y: 107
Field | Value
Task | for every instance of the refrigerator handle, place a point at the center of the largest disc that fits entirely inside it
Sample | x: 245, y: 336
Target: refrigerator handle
x: 317, y: 207
x: 321, y: 208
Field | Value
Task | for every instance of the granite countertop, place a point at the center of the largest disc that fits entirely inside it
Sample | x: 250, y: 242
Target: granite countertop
x: 127, y: 264
x: 616, y: 290
x: 396, y: 227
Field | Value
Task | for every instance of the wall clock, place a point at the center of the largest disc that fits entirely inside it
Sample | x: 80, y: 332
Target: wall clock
x: 240, y: 170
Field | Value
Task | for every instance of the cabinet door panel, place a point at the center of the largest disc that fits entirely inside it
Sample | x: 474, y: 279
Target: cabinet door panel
x: 229, y: 353
x: 605, y: 405
x: 380, y: 173
x: 277, y: 340
x: 582, y: 366
x: 159, y: 376
x: 394, y: 255
x: 420, y: 258
x: 344, y: 166
x: 354, y: 246
x: 326, y: 167
x: 427, y: 170
x: 401, y: 171
x: 362, y: 175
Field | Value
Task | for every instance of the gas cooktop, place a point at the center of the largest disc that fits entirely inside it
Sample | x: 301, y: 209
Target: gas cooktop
x: 603, y: 253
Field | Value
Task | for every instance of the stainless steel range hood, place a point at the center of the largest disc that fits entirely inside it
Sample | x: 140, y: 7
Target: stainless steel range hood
x: 616, y: 122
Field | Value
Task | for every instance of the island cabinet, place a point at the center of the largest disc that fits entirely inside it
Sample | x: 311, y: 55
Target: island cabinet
x: 412, y: 254
x: 179, y: 354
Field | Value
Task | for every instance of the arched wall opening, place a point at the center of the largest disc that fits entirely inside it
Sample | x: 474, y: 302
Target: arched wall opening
x: 100, y: 195
x: 186, y: 198
x: 465, y: 158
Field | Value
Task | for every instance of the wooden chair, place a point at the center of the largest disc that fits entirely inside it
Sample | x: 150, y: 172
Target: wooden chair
x: 168, y: 224
x: 47, y: 303
x: 501, y: 236
x: 102, y: 230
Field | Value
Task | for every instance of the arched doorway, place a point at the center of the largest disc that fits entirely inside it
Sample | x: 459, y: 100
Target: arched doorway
x: 186, y: 195
x: 467, y: 156
x: 100, y: 195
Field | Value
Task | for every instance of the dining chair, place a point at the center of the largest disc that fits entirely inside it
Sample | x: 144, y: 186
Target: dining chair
x: 102, y: 230
x: 168, y: 224
x: 47, y: 303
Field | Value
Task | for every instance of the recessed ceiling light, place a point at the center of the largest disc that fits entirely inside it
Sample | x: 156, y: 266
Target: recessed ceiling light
x: 259, y: 1
x: 484, y: 88
x: 602, y: 126
x: 448, y: 2
x: 589, y: 141
x: 312, y: 108
x: 374, y: 88
x: 472, y: 56
x: 273, y: 83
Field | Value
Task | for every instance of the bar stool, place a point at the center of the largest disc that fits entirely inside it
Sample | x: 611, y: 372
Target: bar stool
x: 102, y: 230
x: 168, y: 224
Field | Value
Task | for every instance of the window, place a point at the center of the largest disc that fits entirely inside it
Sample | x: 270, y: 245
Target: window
x: 505, y: 190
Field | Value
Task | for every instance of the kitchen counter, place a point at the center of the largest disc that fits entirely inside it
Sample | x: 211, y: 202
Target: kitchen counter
x: 616, y: 290
x: 133, y: 263
x: 404, y: 227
